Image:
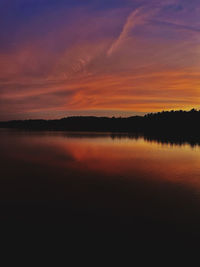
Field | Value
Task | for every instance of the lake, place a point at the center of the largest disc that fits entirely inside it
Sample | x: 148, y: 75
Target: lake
x: 100, y: 182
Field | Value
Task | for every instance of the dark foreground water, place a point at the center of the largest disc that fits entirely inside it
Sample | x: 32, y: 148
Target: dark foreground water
x: 97, y: 184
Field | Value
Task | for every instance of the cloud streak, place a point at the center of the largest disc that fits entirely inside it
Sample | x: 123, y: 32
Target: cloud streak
x: 133, y: 19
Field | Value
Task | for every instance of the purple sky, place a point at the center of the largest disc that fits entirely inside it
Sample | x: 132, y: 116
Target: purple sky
x: 100, y: 57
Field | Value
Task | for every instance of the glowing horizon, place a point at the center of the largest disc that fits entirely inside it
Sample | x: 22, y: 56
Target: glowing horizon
x: 115, y: 58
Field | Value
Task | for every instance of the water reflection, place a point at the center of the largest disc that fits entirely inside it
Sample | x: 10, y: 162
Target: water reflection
x: 125, y: 179
x: 160, y: 139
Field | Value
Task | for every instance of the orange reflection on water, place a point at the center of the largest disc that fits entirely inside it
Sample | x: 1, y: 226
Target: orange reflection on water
x: 100, y: 155
x: 130, y: 158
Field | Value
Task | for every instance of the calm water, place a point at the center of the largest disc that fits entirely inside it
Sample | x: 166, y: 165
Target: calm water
x: 95, y: 181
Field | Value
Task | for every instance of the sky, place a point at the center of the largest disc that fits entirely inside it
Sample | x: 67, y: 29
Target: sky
x: 98, y: 57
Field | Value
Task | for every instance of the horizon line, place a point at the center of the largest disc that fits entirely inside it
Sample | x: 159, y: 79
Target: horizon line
x: 110, y: 117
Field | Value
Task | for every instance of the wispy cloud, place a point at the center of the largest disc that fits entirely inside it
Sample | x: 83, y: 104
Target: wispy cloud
x: 135, y: 18
x: 176, y: 26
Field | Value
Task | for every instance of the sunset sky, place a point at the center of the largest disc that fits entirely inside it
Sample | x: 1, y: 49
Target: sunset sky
x: 98, y: 57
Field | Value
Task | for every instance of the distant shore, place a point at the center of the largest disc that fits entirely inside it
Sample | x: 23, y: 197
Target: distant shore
x: 170, y: 126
